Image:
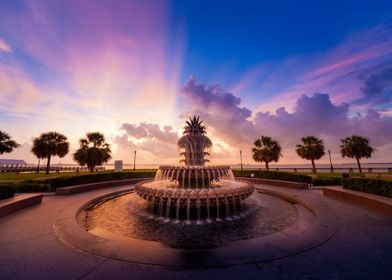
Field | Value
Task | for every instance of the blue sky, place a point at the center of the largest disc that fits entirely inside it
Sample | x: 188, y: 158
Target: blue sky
x: 135, y: 70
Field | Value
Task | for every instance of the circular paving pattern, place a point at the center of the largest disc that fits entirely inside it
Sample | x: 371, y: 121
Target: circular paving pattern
x: 116, y: 229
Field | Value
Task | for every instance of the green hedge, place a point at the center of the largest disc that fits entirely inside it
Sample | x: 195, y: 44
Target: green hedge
x: 327, y: 181
x: 66, y: 181
x: 6, y: 191
x: 374, y: 186
x: 274, y: 175
x: 32, y: 186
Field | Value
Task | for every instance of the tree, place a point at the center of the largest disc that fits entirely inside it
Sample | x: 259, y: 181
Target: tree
x: 93, y: 151
x: 6, y: 143
x: 311, y: 148
x: 266, y: 149
x: 50, y: 144
x: 356, y: 147
x: 39, y: 150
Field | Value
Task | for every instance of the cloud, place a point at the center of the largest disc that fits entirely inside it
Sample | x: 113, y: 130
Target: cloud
x: 218, y: 108
x: 340, y: 71
x: 312, y: 115
x: 149, y: 139
x: 151, y: 131
x: 4, y: 47
x: 377, y: 89
x: 107, y: 65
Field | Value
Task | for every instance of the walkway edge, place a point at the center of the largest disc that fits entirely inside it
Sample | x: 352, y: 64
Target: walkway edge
x: 375, y: 202
x: 18, y: 202
x: 95, y: 186
x: 279, y: 183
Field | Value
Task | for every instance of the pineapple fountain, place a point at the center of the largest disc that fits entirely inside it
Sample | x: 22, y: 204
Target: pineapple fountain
x: 194, y: 191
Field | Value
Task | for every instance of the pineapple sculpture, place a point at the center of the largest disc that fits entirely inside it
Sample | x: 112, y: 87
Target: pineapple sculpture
x: 194, y: 145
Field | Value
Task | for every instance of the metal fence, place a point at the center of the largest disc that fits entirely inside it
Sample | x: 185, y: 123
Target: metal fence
x: 51, y: 169
x: 326, y: 170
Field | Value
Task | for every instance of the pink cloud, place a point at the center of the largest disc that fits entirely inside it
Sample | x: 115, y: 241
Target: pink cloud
x: 4, y: 47
x: 311, y: 115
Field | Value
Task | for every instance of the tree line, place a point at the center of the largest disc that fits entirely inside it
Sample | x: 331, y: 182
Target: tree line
x: 312, y: 148
x: 93, y: 149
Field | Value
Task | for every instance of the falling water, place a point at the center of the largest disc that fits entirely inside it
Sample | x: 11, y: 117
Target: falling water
x: 208, y: 210
x: 168, y: 208
x: 188, y: 211
x: 227, y: 207
x: 217, y: 209
x: 178, y: 209
x: 198, y: 206
x: 160, y: 206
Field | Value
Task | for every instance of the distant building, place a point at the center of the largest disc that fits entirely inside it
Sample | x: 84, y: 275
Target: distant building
x: 12, y: 163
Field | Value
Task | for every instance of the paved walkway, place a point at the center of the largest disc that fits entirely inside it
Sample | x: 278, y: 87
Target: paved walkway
x: 360, y: 249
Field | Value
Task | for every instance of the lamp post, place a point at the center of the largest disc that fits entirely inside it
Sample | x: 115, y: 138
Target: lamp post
x: 329, y: 154
x: 134, y: 160
x: 241, y: 159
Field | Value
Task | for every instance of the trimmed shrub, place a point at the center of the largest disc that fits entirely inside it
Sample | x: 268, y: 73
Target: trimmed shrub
x: 374, y: 186
x: 32, y: 186
x: 326, y: 181
x: 67, y: 181
x: 345, y: 175
x: 274, y: 175
x: 7, y: 191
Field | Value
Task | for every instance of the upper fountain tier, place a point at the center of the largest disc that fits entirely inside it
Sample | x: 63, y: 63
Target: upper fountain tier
x: 194, y: 185
x: 194, y: 145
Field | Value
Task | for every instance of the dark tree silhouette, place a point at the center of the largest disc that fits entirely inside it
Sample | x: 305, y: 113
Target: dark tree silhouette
x: 93, y: 151
x: 356, y: 147
x: 266, y: 150
x: 6, y: 143
x: 50, y: 144
x: 311, y: 148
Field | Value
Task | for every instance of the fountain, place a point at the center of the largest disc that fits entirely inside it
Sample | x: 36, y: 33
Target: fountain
x: 194, y: 191
x: 194, y: 214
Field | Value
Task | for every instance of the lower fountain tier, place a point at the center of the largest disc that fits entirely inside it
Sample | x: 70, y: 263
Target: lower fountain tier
x: 235, y: 193
x: 194, y: 176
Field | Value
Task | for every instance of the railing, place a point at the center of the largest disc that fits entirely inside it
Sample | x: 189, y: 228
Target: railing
x: 51, y: 169
x: 327, y: 169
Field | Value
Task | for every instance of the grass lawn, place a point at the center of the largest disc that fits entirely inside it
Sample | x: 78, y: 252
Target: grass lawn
x: 14, y: 177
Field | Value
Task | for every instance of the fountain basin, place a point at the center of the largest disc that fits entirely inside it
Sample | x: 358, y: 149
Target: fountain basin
x: 202, y: 191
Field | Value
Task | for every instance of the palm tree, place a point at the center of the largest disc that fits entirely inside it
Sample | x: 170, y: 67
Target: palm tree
x: 50, y: 144
x: 93, y: 151
x: 6, y: 143
x: 356, y: 147
x: 266, y: 149
x: 39, y: 150
x: 311, y: 148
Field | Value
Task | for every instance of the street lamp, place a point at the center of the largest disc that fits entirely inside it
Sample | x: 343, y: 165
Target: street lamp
x: 241, y: 159
x: 134, y: 161
x: 329, y: 154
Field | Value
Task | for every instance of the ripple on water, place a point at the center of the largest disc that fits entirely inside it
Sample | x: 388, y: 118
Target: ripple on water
x: 126, y: 216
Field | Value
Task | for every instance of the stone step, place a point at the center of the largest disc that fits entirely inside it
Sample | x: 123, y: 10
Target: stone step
x: 378, y: 203
x: 18, y: 202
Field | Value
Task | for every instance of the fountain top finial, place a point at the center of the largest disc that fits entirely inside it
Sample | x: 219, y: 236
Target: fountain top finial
x: 194, y: 126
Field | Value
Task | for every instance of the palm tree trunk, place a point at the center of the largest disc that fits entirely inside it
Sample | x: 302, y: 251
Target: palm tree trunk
x: 48, y: 165
x: 266, y: 165
x: 359, y: 165
x: 37, y: 171
x: 314, y: 166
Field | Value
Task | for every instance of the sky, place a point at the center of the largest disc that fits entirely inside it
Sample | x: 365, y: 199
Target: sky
x: 136, y: 70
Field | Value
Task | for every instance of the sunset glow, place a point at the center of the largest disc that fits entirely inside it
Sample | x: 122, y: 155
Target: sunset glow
x: 135, y: 70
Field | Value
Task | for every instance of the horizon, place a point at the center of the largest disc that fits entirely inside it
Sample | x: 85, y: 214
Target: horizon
x: 136, y: 71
